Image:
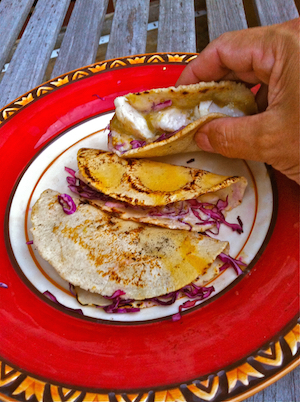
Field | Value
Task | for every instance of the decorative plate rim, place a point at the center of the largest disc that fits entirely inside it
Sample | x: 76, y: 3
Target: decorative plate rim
x: 205, y: 387
x: 84, y: 72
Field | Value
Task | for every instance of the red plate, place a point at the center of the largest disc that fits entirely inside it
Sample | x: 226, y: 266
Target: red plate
x: 242, y: 340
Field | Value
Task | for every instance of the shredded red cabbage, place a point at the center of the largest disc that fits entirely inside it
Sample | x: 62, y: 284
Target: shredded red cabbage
x: 29, y: 242
x: 137, y: 144
x: 187, y: 304
x: 159, y: 106
x: 211, y: 214
x: 78, y: 187
x: 231, y: 262
x: 71, y: 172
x: 118, y: 304
x: 191, y: 291
x: 121, y: 148
x: 109, y: 142
x: 197, y: 293
x: 72, y: 289
x: 66, y: 201
x: 50, y: 296
x: 215, y: 213
x: 3, y: 285
x: 165, y: 136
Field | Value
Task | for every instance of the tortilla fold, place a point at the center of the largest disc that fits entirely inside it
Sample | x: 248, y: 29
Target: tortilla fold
x: 156, y: 193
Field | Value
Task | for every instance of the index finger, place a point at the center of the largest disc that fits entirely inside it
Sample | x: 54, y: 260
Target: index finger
x: 241, y: 55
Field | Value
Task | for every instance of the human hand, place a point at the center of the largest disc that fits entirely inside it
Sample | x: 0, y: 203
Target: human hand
x: 262, y: 55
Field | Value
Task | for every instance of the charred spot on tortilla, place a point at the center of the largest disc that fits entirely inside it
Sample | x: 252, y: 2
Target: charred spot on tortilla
x: 163, y: 121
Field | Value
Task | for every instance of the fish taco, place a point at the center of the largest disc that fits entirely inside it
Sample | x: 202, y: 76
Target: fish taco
x: 162, y: 194
x: 164, y: 121
x: 121, y: 260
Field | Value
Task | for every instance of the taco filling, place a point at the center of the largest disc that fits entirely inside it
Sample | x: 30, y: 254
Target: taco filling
x: 152, y: 117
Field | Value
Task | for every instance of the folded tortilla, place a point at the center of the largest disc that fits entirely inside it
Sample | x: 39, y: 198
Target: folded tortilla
x: 164, y: 121
x: 102, y: 254
x: 162, y: 194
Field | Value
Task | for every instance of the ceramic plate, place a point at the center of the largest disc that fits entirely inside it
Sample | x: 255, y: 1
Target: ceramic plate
x: 241, y: 339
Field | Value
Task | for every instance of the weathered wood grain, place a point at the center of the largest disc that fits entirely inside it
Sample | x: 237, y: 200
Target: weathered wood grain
x: 28, y: 65
x: 224, y: 16
x: 275, y: 11
x: 129, y: 28
x: 12, y: 16
x: 176, y: 27
x: 81, y: 40
x: 284, y: 390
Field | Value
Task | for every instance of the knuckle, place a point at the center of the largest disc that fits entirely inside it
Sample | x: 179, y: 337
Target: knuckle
x: 222, y: 140
x: 224, y: 37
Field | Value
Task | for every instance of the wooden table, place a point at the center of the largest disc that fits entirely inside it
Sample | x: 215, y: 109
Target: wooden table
x: 128, y: 35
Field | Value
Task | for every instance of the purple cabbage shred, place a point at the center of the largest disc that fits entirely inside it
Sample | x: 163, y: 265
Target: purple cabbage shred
x: 78, y: 187
x: 67, y: 203
x: 137, y: 144
x: 162, y: 105
x: 191, y: 291
x: 50, y: 296
x: 231, y: 262
x: 118, y: 304
x: 213, y: 213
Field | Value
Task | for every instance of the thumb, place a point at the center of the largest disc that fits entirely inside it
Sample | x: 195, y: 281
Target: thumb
x: 235, y: 137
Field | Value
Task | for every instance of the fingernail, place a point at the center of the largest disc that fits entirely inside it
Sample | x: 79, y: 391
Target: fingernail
x: 203, y: 142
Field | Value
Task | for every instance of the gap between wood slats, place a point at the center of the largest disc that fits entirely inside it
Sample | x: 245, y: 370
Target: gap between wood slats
x: 81, y: 40
x: 201, y: 31
x: 32, y: 55
x: 152, y: 30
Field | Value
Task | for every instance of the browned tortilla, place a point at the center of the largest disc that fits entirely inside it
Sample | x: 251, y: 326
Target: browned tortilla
x: 149, y: 183
x: 103, y: 254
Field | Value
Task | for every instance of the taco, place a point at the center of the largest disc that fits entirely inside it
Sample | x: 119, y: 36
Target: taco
x: 164, y: 121
x: 106, y: 255
x: 142, y: 190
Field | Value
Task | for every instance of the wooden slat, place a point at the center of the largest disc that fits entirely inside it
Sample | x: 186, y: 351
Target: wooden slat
x: 28, y: 65
x: 12, y: 15
x: 176, y: 28
x: 284, y: 390
x: 275, y: 11
x: 81, y: 40
x: 224, y: 16
x: 129, y: 28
